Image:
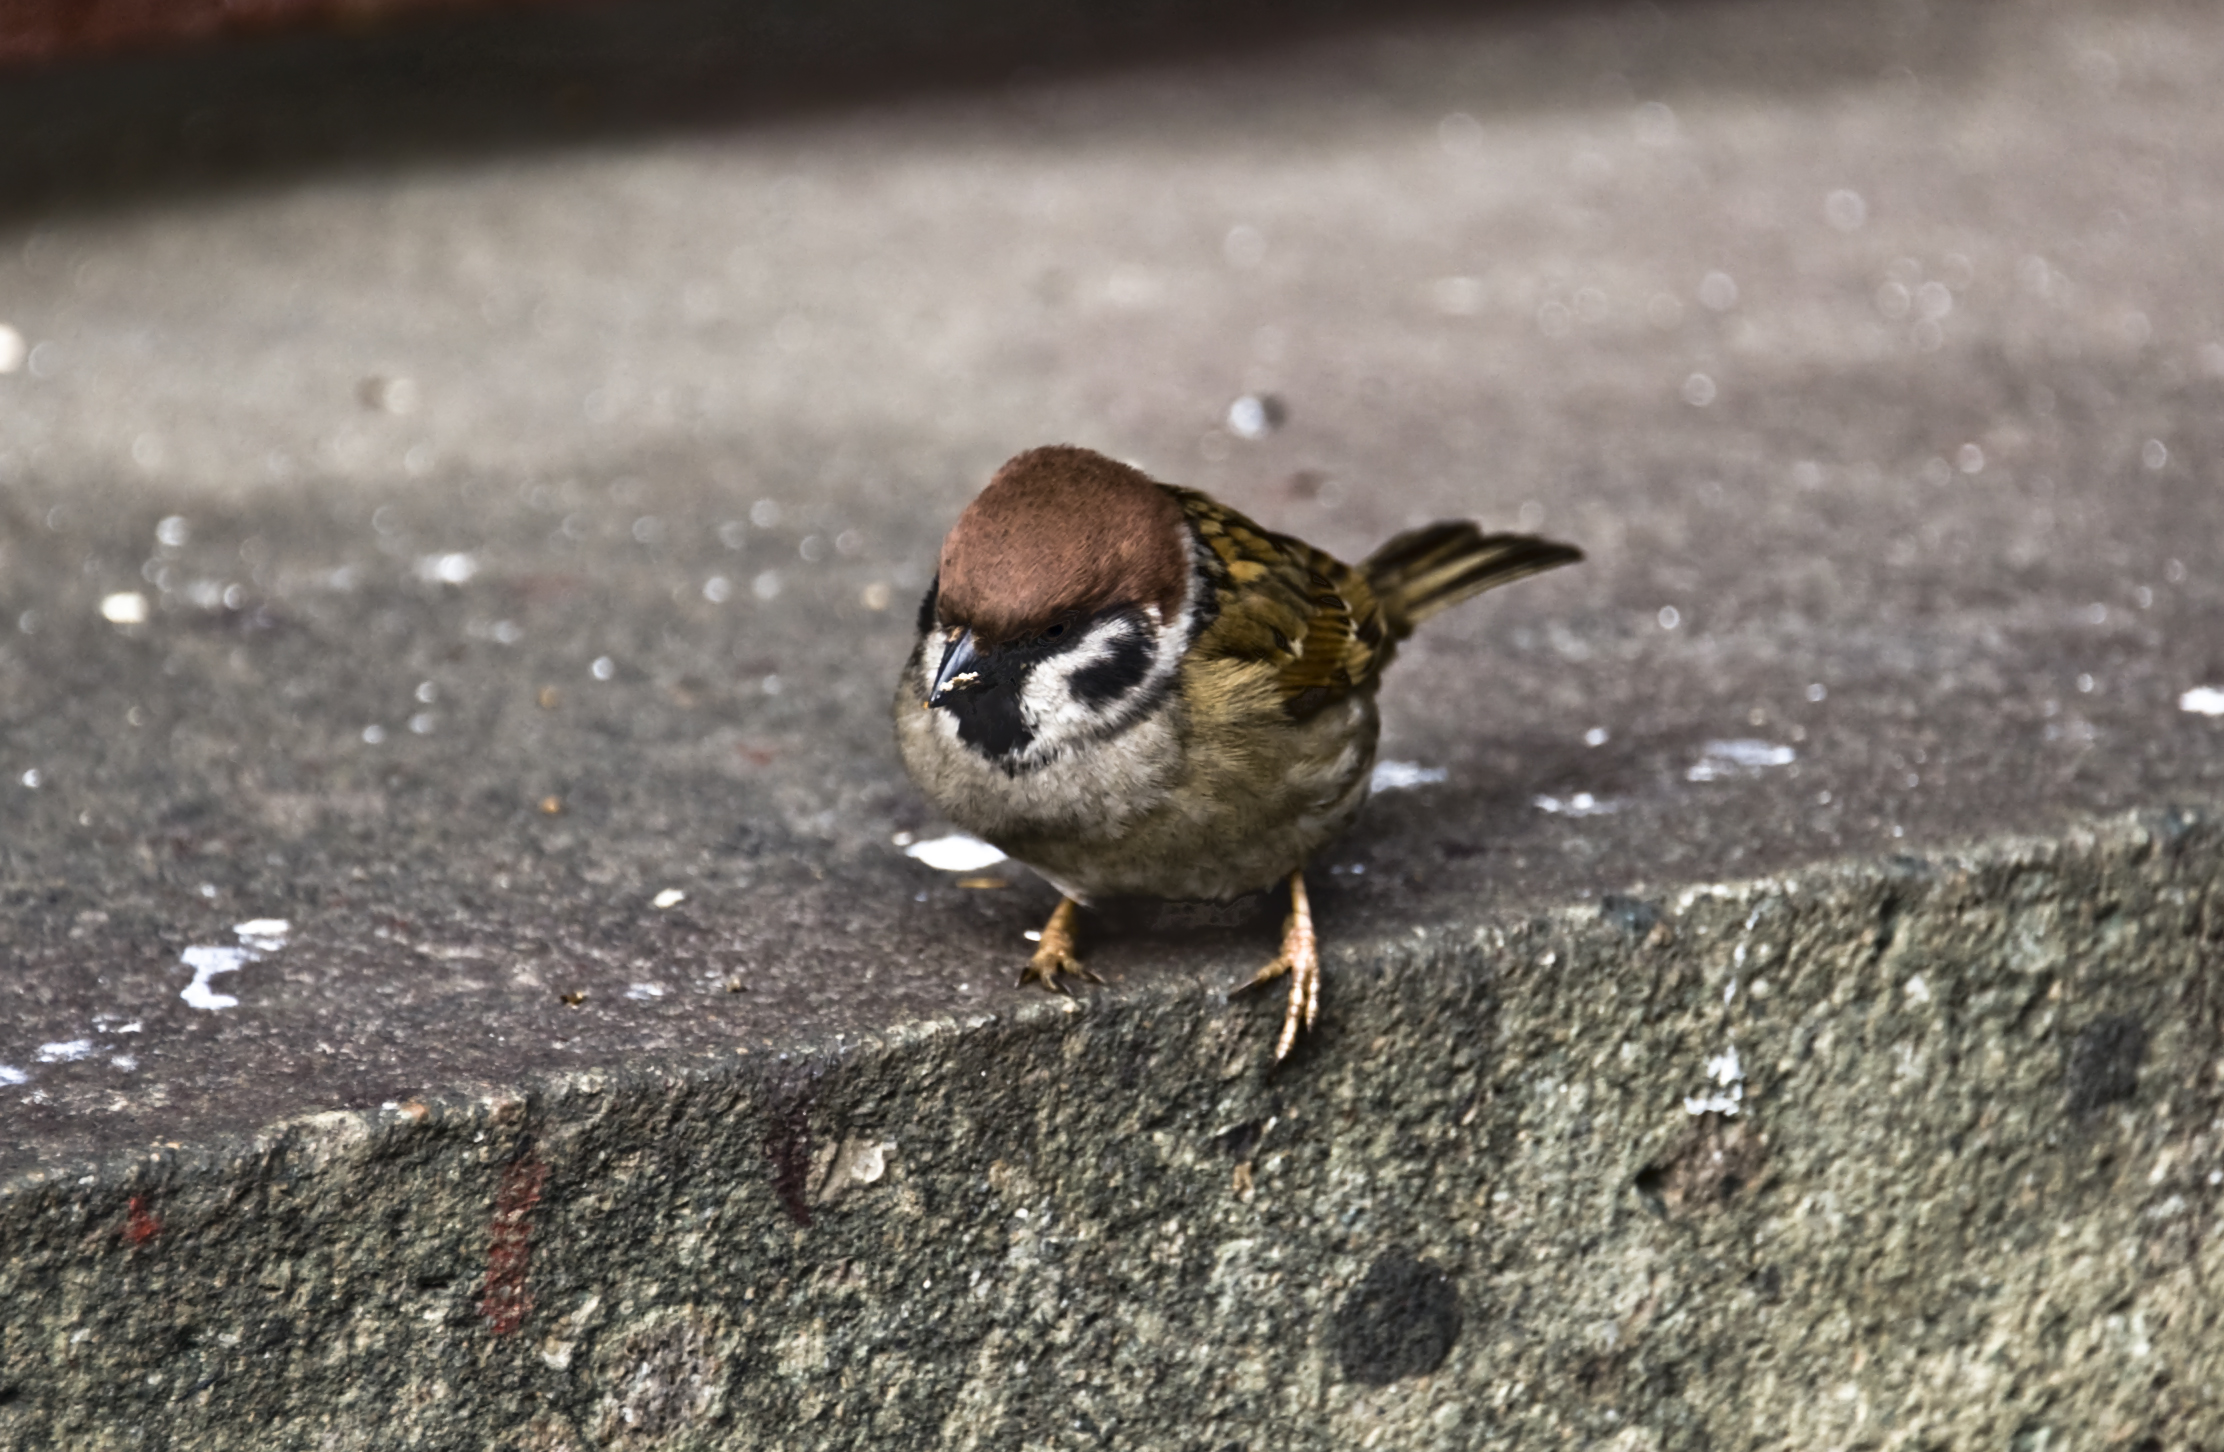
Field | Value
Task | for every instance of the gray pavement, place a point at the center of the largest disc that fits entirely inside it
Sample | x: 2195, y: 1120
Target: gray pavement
x: 495, y: 567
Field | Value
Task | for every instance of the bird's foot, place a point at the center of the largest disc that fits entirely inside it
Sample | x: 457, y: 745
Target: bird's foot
x: 1300, y: 962
x: 1057, y: 954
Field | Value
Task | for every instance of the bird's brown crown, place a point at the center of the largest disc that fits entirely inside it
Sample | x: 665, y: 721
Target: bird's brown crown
x: 1060, y: 532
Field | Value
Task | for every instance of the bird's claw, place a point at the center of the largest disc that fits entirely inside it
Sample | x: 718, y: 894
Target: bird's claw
x: 1299, y: 961
x: 1057, y: 956
x: 1050, y: 969
x: 1303, y: 971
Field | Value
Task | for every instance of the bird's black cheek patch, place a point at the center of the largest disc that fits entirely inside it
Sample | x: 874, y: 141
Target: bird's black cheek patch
x: 1123, y: 668
x: 989, y: 720
x: 926, y: 606
x: 1400, y: 1321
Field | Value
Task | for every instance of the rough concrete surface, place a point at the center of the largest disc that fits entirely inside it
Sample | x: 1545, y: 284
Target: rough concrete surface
x: 1790, y: 1019
x: 1967, y: 1202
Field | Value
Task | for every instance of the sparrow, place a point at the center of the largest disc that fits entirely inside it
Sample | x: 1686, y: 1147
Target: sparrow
x: 1138, y: 692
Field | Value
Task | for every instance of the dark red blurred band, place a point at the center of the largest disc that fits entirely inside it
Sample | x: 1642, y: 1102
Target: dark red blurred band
x: 32, y: 31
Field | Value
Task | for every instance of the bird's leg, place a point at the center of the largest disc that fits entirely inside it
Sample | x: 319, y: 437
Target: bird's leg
x: 1056, y: 953
x: 1300, y: 959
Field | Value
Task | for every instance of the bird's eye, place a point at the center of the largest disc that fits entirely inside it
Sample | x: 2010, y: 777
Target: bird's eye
x: 1054, y: 632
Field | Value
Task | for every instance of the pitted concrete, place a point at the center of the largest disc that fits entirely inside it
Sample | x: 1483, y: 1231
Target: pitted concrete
x: 1965, y: 1195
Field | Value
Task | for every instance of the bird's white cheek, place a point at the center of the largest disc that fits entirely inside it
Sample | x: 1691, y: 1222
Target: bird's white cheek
x: 1047, y: 702
x: 1048, y: 706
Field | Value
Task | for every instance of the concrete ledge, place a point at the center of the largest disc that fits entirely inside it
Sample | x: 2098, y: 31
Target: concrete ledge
x: 1967, y: 1197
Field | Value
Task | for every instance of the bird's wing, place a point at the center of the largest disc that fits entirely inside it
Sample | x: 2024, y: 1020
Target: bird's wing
x: 1292, y: 623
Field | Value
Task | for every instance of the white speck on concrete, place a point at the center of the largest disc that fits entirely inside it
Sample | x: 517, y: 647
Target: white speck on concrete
x: 10, y: 1074
x: 2203, y: 701
x: 65, y: 1051
x: 206, y: 962
x: 1917, y: 990
x: 257, y: 936
x: 670, y: 897
x: 1740, y: 757
x: 1254, y: 416
x: 955, y: 853
x: 456, y: 567
x: 644, y: 991
x: 263, y: 935
x: 1581, y: 804
x: 125, y: 607
x: 1393, y: 776
x: 1725, y: 1070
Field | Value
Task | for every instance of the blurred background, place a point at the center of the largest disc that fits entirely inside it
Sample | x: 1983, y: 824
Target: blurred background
x: 570, y: 231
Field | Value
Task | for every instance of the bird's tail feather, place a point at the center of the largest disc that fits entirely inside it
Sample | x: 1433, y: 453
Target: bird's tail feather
x: 1434, y: 567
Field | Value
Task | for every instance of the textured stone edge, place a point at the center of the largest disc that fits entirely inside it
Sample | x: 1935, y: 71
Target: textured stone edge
x: 1521, y: 1137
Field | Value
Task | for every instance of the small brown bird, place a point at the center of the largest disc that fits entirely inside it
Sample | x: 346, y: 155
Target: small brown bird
x: 1136, y: 691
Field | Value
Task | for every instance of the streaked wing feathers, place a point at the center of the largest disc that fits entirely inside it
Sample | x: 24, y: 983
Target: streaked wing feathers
x: 1303, y: 619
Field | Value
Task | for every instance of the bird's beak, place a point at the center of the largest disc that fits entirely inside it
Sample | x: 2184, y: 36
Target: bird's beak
x: 959, y: 669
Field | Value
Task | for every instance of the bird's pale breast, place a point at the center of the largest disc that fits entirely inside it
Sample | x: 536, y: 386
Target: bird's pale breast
x: 1195, y: 801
